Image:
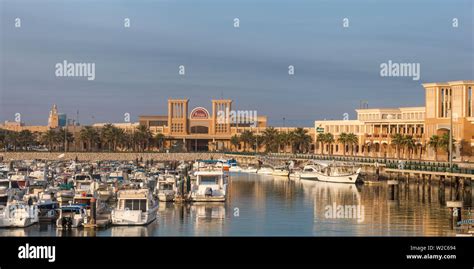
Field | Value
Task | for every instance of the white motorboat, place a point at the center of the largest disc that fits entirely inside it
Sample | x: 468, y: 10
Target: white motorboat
x: 249, y: 169
x: 280, y: 171
x: 71, y: 216
x: 18, y: 214
x: 209, y: 186
x: 48, y: 209
x: 309, y: 172
x: 134, y: 207
x: 265, y: 171
x: 166, y: 188
x: 331, y: 172
x: 4, y: 191
x: 295, y: 174
x: 235, y: 168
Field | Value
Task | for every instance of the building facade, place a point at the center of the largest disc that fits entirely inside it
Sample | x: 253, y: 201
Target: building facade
x: 375, y: 127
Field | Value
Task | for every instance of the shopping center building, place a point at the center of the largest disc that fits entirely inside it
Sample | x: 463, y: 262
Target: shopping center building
x: 374, y: 127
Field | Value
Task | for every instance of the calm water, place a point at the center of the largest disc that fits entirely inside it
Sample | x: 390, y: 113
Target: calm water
x: 264, y: 205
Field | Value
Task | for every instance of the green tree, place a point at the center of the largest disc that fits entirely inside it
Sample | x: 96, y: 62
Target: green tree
x: 159, y: 140
x: 434, y: 143
x: 235, y: 141
x: 142, y: 136
x: 269, y: 139
x: 321, y: 138
x: 90, y: 135
x: 342, y: 139
x: 247, y: 137
x: 50, y: 138
x: 329, y: 139
x: 25, y: 139
x: 397, y: 140
x: 352, y: 140
x: 444, y: 143
x: 410, y: 144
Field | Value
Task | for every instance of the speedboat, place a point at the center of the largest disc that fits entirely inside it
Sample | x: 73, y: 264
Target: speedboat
x: 71, y: 216
x: 134, y: 207
x: 209, y: 186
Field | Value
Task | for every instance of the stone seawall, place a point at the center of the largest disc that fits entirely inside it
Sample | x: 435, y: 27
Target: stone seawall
x: 100, y: 156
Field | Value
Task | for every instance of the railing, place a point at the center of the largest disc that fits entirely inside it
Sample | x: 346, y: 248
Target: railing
x: 388, y: 162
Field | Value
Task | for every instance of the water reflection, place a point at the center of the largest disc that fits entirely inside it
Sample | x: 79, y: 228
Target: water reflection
x: 264, y: 205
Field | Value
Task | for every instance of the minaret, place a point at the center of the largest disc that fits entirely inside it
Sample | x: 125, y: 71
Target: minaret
x: 53, y: 120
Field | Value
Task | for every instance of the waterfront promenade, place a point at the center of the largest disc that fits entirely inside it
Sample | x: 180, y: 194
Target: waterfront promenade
x: 102, y: 156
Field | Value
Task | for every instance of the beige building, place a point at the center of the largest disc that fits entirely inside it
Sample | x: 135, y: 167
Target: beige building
x: 374, y: 127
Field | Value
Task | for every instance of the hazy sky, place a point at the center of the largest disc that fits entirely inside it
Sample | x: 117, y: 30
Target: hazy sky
x: 137, y: 67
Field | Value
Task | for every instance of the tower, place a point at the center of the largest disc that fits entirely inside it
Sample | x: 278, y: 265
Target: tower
x: 53, y: 120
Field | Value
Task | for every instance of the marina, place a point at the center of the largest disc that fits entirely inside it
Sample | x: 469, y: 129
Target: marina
x: 292, y: 198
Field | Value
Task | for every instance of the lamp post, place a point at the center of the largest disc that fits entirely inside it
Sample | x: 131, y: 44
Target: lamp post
x: 65, y: 137
x: 450, y: 137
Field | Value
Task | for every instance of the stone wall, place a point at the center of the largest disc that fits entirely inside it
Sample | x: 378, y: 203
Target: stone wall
x: 98, y: 156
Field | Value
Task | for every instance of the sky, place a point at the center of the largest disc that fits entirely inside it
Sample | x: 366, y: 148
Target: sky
x: 137, y: 67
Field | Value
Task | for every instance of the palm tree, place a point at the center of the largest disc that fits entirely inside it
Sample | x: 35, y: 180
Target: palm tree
x: 444, y: 143
x: 342, y: 139
x: 409, y: 143
x: 329, y: 139
x: 160, y: 140
x: 62, y: 135
x: 397, y: 140
x: 302, y: 140
x: 50, y: 138
x: 12, y: 140
x: 269, y: 138
x: 107, y: 135
x: 90, y: 135
x: 321, y: 138
x: 235, y: 141
x: 352, y: 140
x: 247, y: 137
x: 25, y: 138
x: 434, y: 143
x: 282, y: 139
x: 143, y: 137
x: 3, y: 141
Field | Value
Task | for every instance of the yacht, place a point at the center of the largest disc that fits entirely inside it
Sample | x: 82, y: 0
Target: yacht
x: 209, y: 186
x: 4, y: 193
x: 48, y: 208
x: 18, y: 214
x: 134, y: 207
x: 71, y: 216
x: 166, y: 188
x: 280, y: 171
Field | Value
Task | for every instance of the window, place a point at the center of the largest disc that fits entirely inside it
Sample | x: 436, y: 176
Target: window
x: 469, y: 102
x: 136, y: 204
x: 209, y: 180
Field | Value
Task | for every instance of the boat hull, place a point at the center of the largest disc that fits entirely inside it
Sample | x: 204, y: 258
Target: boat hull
x: 133, y: 217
